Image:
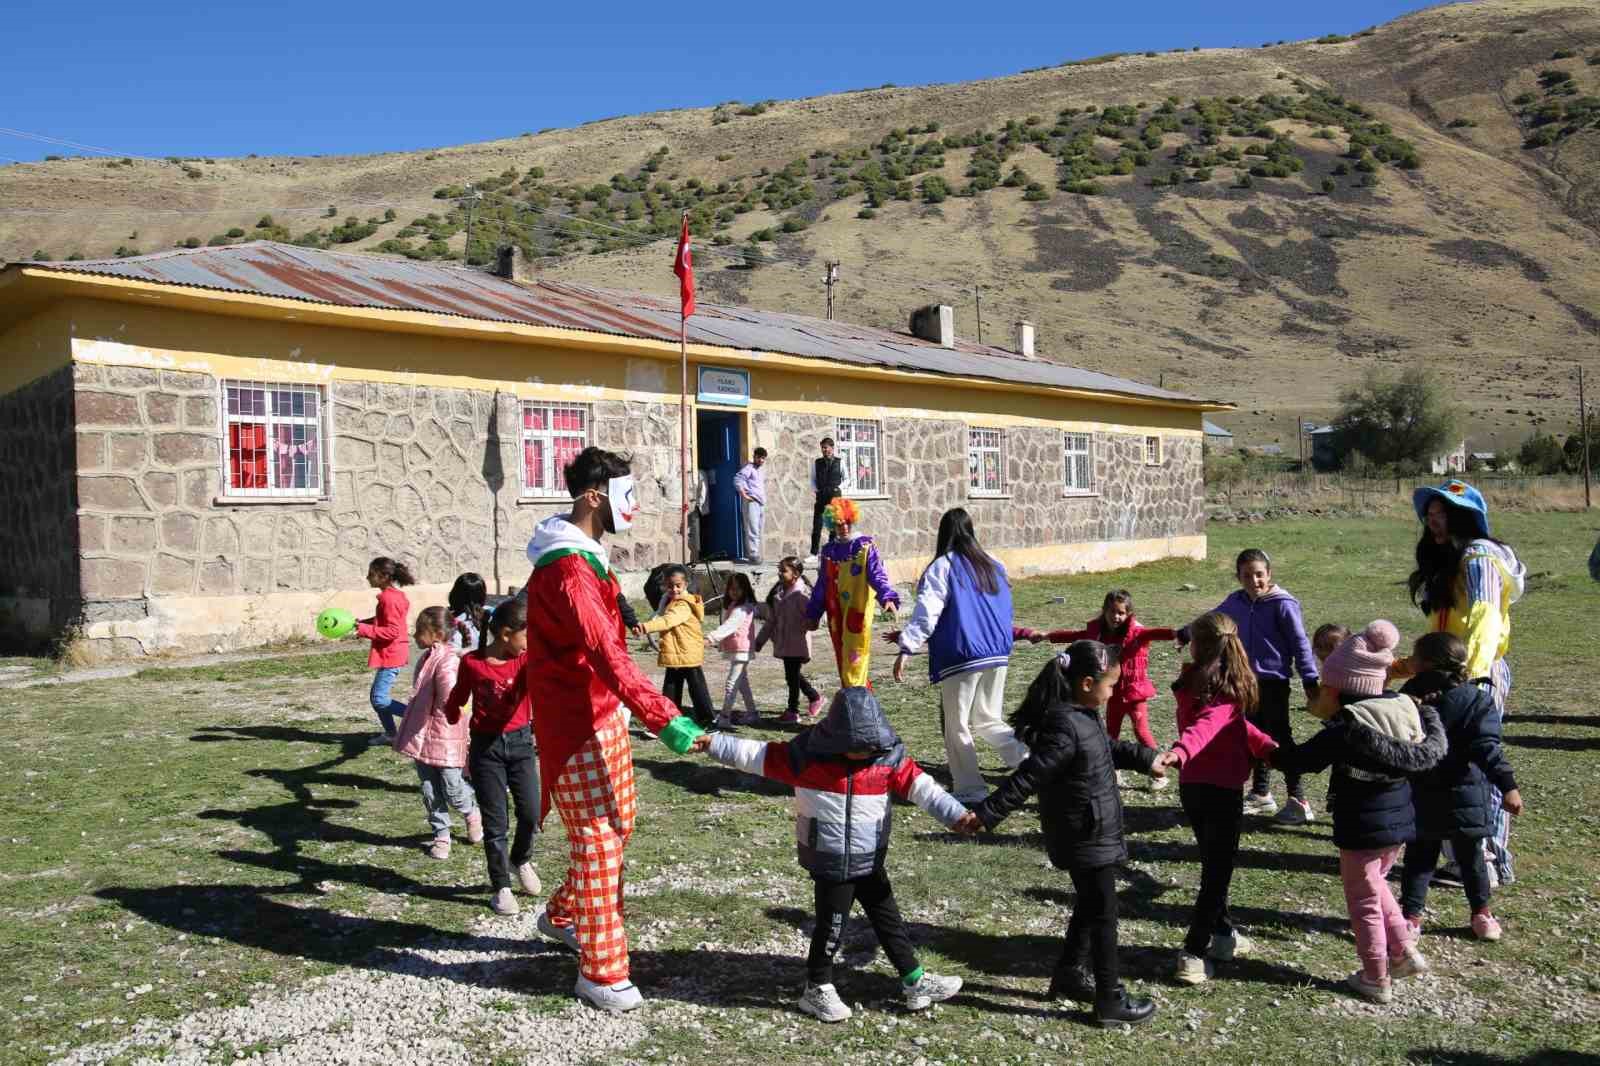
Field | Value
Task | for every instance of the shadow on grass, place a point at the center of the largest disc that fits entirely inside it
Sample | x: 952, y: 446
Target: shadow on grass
x: 707, y: 779
x: 1176, y: 912
x: 1542, y: 743
x: 1592, y: 721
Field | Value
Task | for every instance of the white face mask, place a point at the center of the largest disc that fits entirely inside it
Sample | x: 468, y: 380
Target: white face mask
x: 624, y: 506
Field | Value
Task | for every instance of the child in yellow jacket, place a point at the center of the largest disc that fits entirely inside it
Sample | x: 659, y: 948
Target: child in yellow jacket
x: 683, y: 646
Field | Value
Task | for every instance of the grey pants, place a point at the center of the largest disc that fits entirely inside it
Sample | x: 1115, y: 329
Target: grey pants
x: 754, y: 514
x: 443, y: 787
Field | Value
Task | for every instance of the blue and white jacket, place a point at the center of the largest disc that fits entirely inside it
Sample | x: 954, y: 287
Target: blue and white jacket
x: 963, y: 627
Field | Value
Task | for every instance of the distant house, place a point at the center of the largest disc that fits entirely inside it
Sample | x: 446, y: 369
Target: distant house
x: 1327, y: 454
x: 1451, y: 462
x: 1216, y: 438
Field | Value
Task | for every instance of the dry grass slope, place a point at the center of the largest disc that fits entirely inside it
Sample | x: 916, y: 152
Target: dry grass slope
x: 1484, y: 261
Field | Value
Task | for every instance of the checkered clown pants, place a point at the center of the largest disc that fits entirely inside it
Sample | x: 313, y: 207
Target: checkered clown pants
x: 596, y: 799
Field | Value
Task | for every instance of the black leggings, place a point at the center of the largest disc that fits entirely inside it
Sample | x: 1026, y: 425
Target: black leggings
x: 699, y: 695
x: 1215, y: 814
x: 1092, y: 929
x: 1273, y: 720
x: 502, y: 763
x: 797, y: 682
x: 1422, y: 856
x: 876, y: 896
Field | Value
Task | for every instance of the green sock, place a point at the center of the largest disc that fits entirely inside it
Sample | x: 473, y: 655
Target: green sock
x: 912, y: 978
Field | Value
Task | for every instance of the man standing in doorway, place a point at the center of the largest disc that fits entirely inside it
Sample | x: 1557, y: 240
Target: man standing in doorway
x: 827, y: 480
x: 751, y: 484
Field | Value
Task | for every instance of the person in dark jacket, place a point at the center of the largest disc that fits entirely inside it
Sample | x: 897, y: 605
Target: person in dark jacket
x: 1375, y: 741
x: 1072, y: 765
x: 827, y: 481
x: 1452, y: 801
x: 844, y: 770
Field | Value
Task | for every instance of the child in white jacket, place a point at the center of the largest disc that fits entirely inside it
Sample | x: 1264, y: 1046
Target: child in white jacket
x: 740, y: 613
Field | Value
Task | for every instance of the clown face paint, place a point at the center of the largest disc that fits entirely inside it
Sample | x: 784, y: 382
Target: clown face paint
x: 624, y: 506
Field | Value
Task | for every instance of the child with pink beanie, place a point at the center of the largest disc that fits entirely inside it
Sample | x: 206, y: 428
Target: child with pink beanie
x: 1374, y: 740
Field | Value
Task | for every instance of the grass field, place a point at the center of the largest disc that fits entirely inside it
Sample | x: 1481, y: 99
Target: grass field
x: 211, y: 863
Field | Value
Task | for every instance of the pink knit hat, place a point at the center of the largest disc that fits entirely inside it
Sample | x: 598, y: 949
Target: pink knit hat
x: 1360, y: 666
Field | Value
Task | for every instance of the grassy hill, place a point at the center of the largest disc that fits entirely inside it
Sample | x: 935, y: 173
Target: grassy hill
x: 1264, y: 223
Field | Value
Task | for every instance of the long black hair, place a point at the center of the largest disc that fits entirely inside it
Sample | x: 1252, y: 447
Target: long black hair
x: 957, y: 535
x: 1432, y: 583
x: 1056, y: 684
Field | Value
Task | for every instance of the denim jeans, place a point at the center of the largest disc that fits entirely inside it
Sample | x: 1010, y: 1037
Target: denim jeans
x: 444, y: 787
x: 389, y: 711
x: 503, y: 762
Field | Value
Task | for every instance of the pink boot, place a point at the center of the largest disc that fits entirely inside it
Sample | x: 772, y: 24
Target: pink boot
x: 475, y: 827
x: 815, y: 707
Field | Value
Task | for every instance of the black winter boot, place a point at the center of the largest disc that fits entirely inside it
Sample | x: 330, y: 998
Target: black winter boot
x: 1115, y: 1007
x: 1073, y: 982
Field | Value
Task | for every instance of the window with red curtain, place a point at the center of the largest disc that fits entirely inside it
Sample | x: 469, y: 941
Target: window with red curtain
x: 274, y: 437
x: 552, y: 435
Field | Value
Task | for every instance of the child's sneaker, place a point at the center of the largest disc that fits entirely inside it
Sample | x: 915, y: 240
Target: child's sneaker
x: 1254, y: 804
x: 930, y: 989
x: 1160, y: 784
x: 1295, y: 812
x: 1411, y: 964
x: 1229, y: 946
x: 1119, y: 1008
x: 1484, y: 926
x: 789, y: 718
x: 814, y: 708
x: 562, y: 934
x: 475, y: 827
x: 380, y: 737
x: 822, y: 1002
x: 1122, y: 782
x: 1376, y: 992
x: 749, y: 718
x: 723, y: 722
x: 503, y: 902
x: 528, y: 878
x: 1414, y: 926
x: 440, y: 848
x: 1192, y: 969
x: 622, y: 996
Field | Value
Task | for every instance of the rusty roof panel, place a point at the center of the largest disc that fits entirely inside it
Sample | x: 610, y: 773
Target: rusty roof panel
x: 350, y: 279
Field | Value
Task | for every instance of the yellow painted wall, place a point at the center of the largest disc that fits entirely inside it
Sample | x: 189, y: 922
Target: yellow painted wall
x: 34, y: 346
x: 129, y: 334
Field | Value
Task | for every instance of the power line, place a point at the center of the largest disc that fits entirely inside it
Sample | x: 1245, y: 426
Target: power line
x: 63, y: 143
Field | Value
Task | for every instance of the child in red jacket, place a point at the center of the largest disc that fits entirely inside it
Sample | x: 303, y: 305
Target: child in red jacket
x: 1213, y: 751
x: 387, y: 630
x: 1117, y: 627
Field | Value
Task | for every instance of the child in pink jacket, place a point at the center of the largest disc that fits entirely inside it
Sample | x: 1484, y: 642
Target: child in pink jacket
x: 427, y: 735
x: 1213, y: 751
x: 740, y: 612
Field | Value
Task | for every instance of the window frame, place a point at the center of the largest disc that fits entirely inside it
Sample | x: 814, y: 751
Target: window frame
x: 975, y: 471
x: 848, y: 450
x: 1160, y: 449
x: 553, y: 490
x: 1067, y: 455
x: 269, y: 419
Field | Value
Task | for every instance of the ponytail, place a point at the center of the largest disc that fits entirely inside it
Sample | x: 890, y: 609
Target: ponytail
x: 393, y: 571
x: 1446, y: 654
x: 1057, y: 683
x: 1222, y: 671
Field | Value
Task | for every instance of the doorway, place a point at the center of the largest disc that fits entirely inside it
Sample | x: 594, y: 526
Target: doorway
x: 719, y: 453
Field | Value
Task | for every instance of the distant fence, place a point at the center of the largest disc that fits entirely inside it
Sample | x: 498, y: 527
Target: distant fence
x: 1369, y: 492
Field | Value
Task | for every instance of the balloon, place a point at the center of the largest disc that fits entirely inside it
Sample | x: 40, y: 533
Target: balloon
x: 336, y: 622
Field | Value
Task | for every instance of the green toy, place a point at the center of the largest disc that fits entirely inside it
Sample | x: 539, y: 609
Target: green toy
x: 680, y: 733
x: 336, y: 622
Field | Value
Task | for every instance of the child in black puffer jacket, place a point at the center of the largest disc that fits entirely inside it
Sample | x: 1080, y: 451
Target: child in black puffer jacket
x: 1072, y: 765
x: 1452, y: 799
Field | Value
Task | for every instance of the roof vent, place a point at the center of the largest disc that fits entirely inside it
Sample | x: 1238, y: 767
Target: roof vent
x: 1024, y: 344
x: 936, y: 323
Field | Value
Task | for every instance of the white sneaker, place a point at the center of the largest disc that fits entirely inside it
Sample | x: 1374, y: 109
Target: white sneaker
x: 562, y: 934
x: 1122, y: 782
x: 1295, y: 812
x: 1254, y: 804
x: 1192, y: 969
x: 503, y: 902
x: 528, y: 878
x: 1358, y: 983
x: 1234, y: 945
x: 1160, y: 784
x: 822, y: 1002
x: 1412, y: 964
x: 930, y: 989
x: 622, y: 996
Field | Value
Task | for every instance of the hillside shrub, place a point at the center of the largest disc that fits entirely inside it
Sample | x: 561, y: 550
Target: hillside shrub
x: 235, y: 232
x: 1461, y: 123
x: 191, y: 242
x: 792, y: 225
x: 1563, y: 53
x: 1541, y: 454
x: 1328, y: 185
x: 264, y: 222
x: 866, y: 212
x: 934, y: 189
x: 1035, y: 192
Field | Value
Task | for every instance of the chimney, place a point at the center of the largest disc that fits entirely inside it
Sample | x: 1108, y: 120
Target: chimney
x: 512, y: 264
x: 936, y: 323
x: 1024, y: 344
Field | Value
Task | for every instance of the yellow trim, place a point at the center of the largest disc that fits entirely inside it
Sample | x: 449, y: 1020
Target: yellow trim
x: 254, y: 305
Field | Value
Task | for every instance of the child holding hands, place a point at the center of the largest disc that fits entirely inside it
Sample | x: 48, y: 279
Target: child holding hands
x: 789, y: 630
x: 436, y: 744
x: 683, y: 650
x: 844, y: 770
x: 740, y: 611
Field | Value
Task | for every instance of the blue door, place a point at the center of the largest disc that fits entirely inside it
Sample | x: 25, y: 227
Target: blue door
x: 720, y: 457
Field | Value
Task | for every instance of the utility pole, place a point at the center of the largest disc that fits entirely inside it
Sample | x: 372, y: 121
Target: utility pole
x: 977, y: 296
x: 472, y: 198
x: 829, y: 280
x: 1300, y: 439
x: 1583, y: 422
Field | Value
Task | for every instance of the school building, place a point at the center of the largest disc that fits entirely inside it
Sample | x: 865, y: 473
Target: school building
x: 205, y: 447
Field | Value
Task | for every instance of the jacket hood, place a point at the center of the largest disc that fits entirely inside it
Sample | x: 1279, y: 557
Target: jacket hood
x: 1516, y: 574
x: 557, y: 536
x: 1390, y: 736
x: 697, y: 606
x: 1276, y: 592
x: 855, y: 722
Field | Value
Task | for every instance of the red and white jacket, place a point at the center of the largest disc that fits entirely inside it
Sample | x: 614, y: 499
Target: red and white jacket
x: 842, y: 808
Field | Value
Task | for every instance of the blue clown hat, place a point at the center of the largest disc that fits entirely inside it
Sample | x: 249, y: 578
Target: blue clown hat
x: 1456, y: 494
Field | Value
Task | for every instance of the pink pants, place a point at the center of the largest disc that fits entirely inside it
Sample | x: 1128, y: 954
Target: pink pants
x: 1375, y: 918
x: 1139, y: 712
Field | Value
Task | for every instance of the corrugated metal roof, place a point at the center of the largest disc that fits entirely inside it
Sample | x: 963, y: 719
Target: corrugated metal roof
x: 350, y: 279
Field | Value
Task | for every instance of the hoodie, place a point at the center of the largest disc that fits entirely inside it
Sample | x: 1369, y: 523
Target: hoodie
x: 1374, y: 747
x: 1273, y: 634
x: 1492, y: 578
x: 578, y: 671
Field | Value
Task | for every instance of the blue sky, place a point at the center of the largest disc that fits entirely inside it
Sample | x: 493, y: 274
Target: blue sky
x: 162, y: 78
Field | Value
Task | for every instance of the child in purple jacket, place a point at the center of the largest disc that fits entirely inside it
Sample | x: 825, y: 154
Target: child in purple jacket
x: 1274, y: 637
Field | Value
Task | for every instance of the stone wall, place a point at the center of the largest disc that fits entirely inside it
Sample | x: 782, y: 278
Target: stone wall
x: 38, y: 525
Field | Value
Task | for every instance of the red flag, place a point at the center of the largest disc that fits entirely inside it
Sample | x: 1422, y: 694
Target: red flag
x: 683, y: 266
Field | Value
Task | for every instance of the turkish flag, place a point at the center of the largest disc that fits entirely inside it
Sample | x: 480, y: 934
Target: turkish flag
x: 683, y: 266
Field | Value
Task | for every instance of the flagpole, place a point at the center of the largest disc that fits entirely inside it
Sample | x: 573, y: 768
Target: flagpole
x: 683, y: 419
